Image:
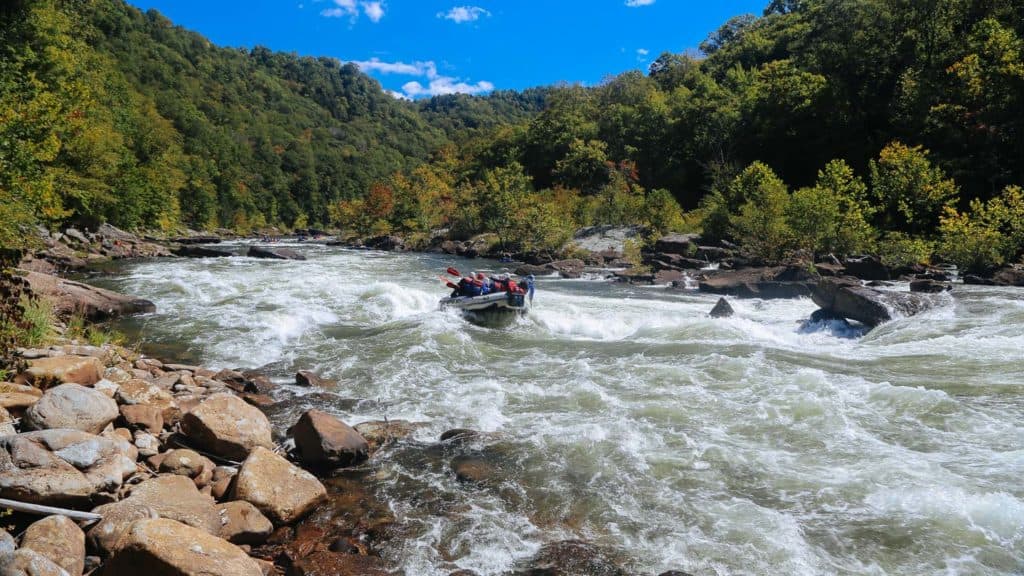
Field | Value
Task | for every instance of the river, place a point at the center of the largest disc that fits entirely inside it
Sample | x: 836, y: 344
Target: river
x: 626, y: 416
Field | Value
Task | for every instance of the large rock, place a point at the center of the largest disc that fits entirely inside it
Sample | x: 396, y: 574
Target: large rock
x: 62, y: 467
x: 274, y: 253
x: 929, y: 286
x: 84, y: 370
x: 194, y: 251
x: 681, y: 244
x: 71, y: 406
x: 138, y: 392
x: 59, y: 539
x: 867, y: 268
x: 143, y: 417
x: 845, y: 297
x: 379, y: 433
x: 95, y: 304
x: 105, y: 537
x: 167, y: 548
x: 610, y: 240
x: 26, y: 562
x: 308, y: 378
x: 323, y: 440
x: 572, y: 558
x: 188, y: 463
x: 228, y: 427
x: 242, y: 523
x: 177, y: 498
x: 16, y: 398
x: 722, y: 309
x: 279, y: 489
x: 766, y: 283
x: 386, y: 243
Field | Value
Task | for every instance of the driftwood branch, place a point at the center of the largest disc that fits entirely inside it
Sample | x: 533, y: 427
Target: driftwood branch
x: 49, y: 510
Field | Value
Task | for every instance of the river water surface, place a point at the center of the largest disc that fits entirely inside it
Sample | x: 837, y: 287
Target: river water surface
x: 626, y: 416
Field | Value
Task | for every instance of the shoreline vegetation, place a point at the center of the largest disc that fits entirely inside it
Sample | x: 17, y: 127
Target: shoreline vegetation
x: 801, y: 153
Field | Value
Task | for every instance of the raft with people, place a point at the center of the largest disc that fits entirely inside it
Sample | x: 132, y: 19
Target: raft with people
x: 488, y: 299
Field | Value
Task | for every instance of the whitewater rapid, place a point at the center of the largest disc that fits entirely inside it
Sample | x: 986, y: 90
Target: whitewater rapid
x: 626, y: 416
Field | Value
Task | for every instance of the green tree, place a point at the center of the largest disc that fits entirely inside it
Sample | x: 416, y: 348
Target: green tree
x: 911, y: 192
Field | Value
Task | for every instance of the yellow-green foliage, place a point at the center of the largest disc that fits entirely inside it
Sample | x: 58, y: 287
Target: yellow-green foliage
x: 78, y: 328
x: 898, y: 249
x: 989, y: 234
x: 35, y: 326
x: 831, y: 217
x: 911, y: 192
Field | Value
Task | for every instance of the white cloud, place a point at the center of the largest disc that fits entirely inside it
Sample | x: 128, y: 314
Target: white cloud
x: 639, y: 3
x: 342, y: 8
x: 397, y: 95
x: 460, y: 14
x: 373, y: 10
x: 642, y: 51
x: 437, y: 84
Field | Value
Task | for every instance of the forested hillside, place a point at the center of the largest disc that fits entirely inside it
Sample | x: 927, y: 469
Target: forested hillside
x: 821, y: 126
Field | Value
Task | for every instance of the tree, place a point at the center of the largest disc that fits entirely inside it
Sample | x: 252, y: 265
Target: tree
x: 501, y: 193
x: 911, y: 193
x: 832, y: 216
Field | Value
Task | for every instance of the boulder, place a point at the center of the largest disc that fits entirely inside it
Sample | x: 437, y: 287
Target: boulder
x: 680, y: 244
x: 84, y: 370
x: 722, y: 309
x: 606, y: 240
x: 188, y: 463
x: 324, y: 562
x: 867, y: 268
x: 323, y: 440
x: 59, y: 539
x: 472, y: 469
x: 7, y: 543
x: 138, y: 392
x: 534, y: 269
x: 766, y: 283
x: 309, y: 378
x: 279, y: 489
x: 274, y: 253
x: 227, y: 427
x: 1009, y: 276
x: 845, y: 297
x: 143, y: 417
x: 27, y: 562
x: 71, y: 406
x: 105, y: 536
x: 147, y: 444
x: 164, y: 547
x: 929, y: 286
x: 96, y: 304
x: 572, y: 268
x: 194, y: 251
x: 62, y: 467
x: 221, y: 483
x: 386, y: 243
x: 242, y: 523
x: 16, y: 398
x: 197, y: 239
x: 177, y: 498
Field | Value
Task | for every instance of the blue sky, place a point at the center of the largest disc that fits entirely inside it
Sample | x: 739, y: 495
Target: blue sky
x: 417, y: 48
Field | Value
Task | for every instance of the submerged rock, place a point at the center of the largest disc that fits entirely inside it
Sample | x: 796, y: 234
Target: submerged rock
x: 929, y: 286
x: 191, y: 251
x: 722, y: 309
x: 274, y: 253
x: 846, y: 297
x: 572, y: 558
x: 308, y: 378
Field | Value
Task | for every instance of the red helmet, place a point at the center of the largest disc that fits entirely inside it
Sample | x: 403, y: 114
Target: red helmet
x: 479, y: 275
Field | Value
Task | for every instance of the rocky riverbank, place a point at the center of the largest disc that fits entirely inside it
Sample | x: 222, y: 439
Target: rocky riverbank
x: 155, y: 466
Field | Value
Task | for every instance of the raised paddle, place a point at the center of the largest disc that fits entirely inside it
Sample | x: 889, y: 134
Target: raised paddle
x: 453, y: 272
x: 448, y: 283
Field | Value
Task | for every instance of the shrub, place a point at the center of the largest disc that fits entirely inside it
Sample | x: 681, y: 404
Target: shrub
x: 990, y: 234
x: 832, y: 216
x: 899, y: 250
x: 911, y: 193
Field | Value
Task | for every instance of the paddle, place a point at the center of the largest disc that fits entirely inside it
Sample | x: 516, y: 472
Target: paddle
x: 453, y: 272
x: 448, y: 283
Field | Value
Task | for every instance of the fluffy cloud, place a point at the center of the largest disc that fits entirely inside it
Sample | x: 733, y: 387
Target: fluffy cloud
x: 460, y: 14
x: 373, y: 10
x: 642, y: 51
x: 639, y: 3
x: 437, y: 84
x: 348, y: 8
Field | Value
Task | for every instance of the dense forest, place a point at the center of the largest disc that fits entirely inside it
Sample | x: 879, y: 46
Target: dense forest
x: 821, y: 126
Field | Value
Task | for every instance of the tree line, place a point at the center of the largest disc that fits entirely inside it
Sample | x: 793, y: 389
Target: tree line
x: 820, y: 126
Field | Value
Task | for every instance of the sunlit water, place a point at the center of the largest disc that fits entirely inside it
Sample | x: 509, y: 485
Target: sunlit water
x: 628, y: 417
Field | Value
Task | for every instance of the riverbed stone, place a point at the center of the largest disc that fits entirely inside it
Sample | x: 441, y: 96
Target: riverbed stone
x: 323, y: 440
x: 243, y: 523
x: 282, y: 491
x: 16, y: 398
x: 177, y: 498
x: 71, y: 406
x: 722, y: 309
x: 59, y: 539
x: 847, y: 298
x: 6, y: 423
x: 106, y: 535
x: 143, y: 417
x: 7, y: 543
x: 572, y: 558
x: 27, y: 562
x: 308, y: 378
x: 163, y: 547
x: 188, y: 463
x: 227, y: 427
x: 61, y: 467
x: 379, y: 433
x: 143, y: 392
x: 274, y: 253
x: 43, y: 372
x: 96, y: 304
